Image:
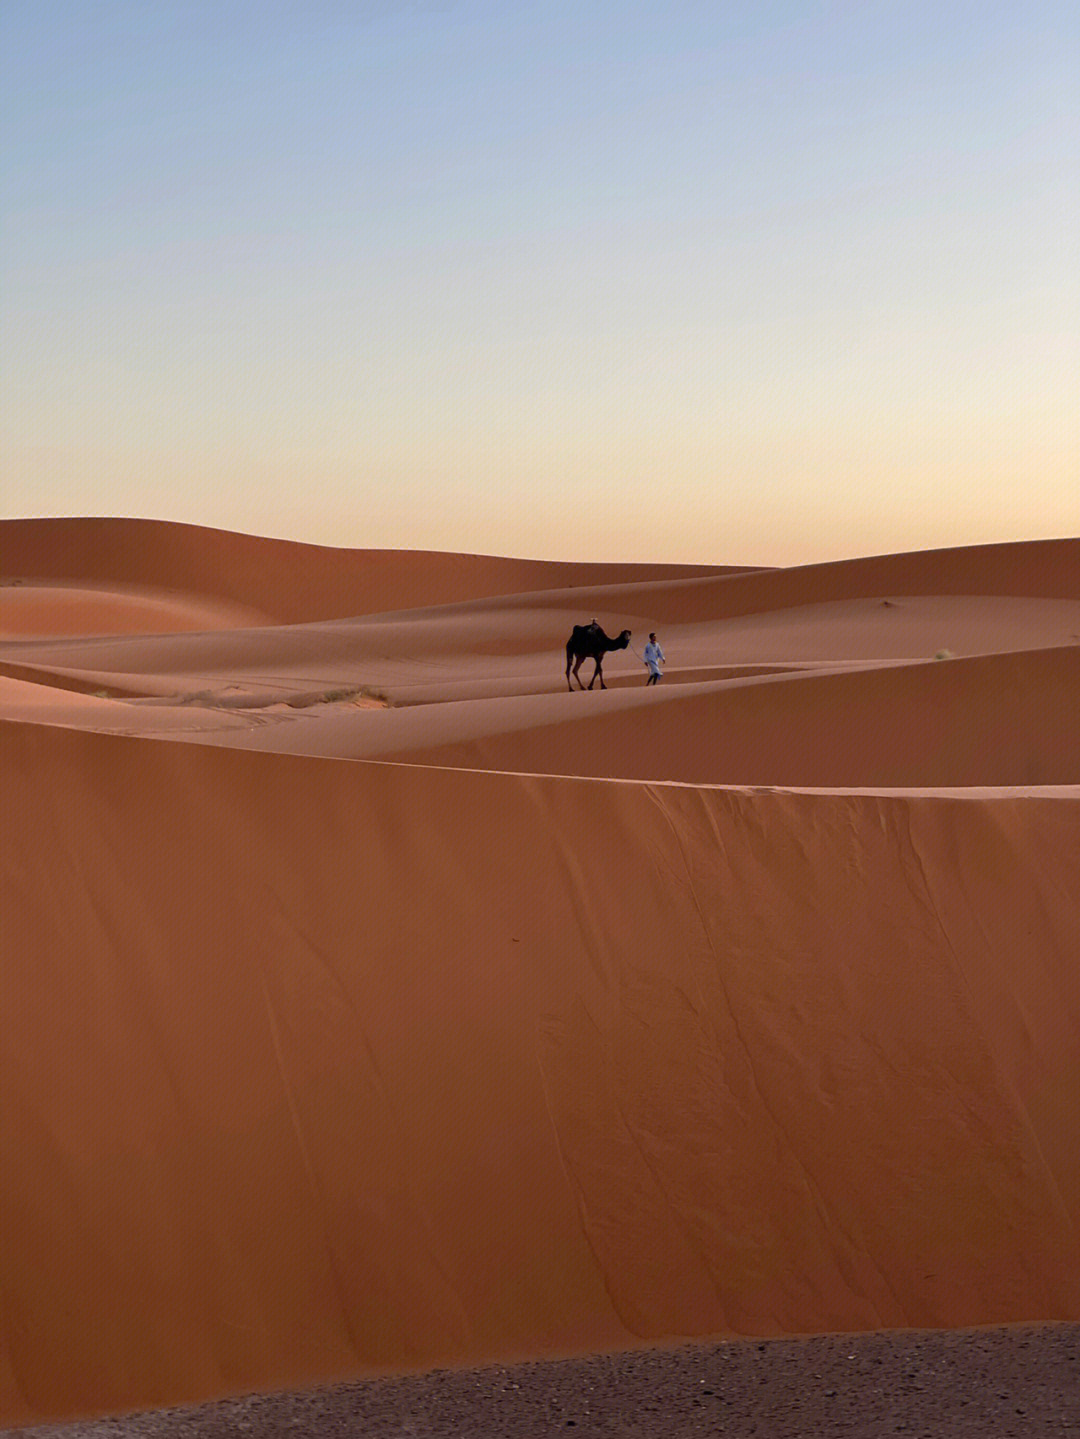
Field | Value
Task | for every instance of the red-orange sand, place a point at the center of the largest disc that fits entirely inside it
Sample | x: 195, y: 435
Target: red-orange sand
x: 405, y: 1010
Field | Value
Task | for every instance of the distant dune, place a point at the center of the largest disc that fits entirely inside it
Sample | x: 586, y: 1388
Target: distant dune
x: 406, y: 1010
x: 288, y: 582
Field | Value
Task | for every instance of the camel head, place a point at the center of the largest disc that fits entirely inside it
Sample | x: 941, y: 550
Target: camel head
x: 622, y: 641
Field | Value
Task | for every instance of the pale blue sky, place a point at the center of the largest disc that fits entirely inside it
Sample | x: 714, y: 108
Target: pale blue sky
x: 738, y: 282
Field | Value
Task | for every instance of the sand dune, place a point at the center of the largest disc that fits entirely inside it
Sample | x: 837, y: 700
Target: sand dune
x: 747, y: 1005
x: 988, y: 720
x: 286, y: 581
x: 41, y: 609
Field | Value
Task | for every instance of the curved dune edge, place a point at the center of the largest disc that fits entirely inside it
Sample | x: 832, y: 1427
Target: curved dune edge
x: 292, y: 583
x: 306, y: 1078
x: 287, y: 582
x: 986, y: 720
x: 983, y: 720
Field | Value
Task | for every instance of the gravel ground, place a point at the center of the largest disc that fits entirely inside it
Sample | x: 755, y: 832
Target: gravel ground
x: 992, y: 1383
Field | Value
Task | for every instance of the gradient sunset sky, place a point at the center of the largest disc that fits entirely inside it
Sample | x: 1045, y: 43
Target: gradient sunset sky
x: 728, y: 283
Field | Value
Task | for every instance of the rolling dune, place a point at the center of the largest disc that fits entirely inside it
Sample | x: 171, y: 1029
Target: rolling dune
x: 476, y: 1021
x: 288, y: 582
x: 987, y: 720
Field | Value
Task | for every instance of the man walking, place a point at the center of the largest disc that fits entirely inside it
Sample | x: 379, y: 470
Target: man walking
x: 653, y: 656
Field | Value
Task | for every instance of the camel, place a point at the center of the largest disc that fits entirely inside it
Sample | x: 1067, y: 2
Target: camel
x: 589, y: 642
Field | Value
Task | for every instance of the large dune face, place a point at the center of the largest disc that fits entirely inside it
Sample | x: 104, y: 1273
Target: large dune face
x: 747, y: 1004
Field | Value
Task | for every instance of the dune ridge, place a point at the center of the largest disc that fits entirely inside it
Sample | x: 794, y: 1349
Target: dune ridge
x: 370, y: 1003
x: 289, y: 581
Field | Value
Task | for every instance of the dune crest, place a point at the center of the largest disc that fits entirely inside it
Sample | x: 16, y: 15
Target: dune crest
x: 289, y: 582
x: 319, y: 1064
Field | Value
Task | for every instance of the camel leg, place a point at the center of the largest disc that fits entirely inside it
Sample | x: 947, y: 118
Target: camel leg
x: 577, y: 676
x: 600, y: 672
x: 569, y: 662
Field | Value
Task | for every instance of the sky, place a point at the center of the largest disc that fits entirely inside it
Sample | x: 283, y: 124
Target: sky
x: 731, y: 283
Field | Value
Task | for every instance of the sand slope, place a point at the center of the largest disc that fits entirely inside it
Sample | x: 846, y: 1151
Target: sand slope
x: 286, y: 581
x: 1012, y: 1382
x: 314, y: 1067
